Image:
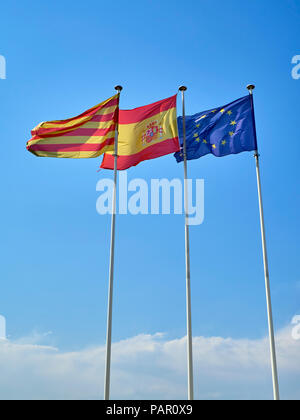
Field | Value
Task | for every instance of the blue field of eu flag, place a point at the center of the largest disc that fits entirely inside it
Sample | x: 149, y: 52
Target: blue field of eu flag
x: 221, y: 131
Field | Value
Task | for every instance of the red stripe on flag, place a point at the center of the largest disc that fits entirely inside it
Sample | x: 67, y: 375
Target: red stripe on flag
x: 74, y: 147
x: 73, y: 131
x: 81, y: 132
x: 78, y: 132
x: 90, y: 131
x: 104, y: 118
x: 151, y: 152
x: 147, y: 111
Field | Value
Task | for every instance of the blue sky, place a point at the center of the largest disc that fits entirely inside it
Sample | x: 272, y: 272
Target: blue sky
x: 64, y: 57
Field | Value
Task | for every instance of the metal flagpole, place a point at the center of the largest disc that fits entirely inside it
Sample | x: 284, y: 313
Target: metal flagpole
x: 187, y: 262
x: 111, y: 269
x: 265, y: 259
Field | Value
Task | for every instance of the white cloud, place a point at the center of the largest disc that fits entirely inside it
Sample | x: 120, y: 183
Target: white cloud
x: 150, y: 367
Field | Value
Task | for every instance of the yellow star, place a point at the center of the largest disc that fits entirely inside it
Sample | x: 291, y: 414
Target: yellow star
x: 204, y: 141
x: 229, y: 112
x: 203, y: 116
x: 231, y: 133
x: 223, y: 142
x: 233, y: 123
x: 214, y: 110
x: 197, y: 139
x: 213, y: 146
x: 222, y: 110
x: 197, y: 125
x: 196, y: 135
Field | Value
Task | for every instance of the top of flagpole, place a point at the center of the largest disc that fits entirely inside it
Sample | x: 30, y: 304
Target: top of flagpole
x: 250, y: 88
x: 119, y: 88
x: 182, y: 88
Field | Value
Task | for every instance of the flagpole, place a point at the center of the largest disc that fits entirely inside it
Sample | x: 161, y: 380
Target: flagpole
x: 265, y: 260
x: 187, y: 262
x: 111, y: 267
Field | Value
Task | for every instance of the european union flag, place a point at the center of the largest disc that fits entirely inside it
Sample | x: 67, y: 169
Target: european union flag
x: 226, y: 130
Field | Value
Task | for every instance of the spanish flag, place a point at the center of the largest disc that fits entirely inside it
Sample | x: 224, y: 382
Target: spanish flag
x: 86, y: 136
x: 145, y: 133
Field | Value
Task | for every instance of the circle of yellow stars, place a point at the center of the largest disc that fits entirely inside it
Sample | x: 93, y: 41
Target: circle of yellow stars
x: 223, y: 142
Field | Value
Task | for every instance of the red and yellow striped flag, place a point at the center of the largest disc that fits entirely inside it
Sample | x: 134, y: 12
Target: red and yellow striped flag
x: 146, y: 132
x: 86, y: 136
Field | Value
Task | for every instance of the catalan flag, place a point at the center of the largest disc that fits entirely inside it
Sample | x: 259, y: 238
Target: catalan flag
x: 145, y: 133
x: 86, y: 136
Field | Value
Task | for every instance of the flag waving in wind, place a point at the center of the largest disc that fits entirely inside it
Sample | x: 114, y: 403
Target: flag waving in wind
x: 146, y: 132
x: 86, y: 136
x: 221, y: 131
